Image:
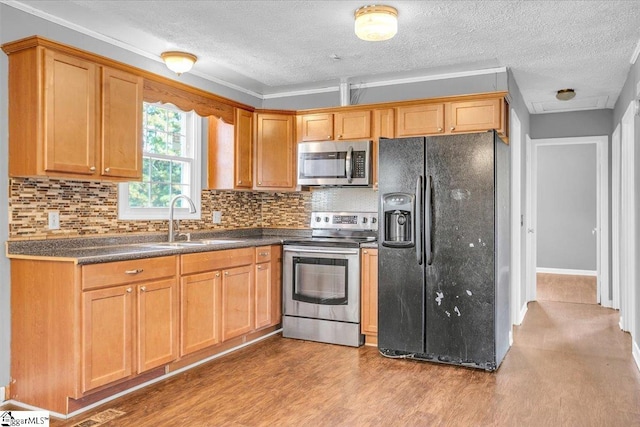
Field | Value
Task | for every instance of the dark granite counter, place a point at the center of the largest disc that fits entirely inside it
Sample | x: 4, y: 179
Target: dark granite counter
x: 94, y: 250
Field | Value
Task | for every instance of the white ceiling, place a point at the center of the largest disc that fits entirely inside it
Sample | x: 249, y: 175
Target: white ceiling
x: 271, y: 47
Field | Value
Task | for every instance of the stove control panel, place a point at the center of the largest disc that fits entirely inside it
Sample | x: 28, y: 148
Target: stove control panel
x: 345, y: 220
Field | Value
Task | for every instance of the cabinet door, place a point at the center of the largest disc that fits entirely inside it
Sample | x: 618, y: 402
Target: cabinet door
x: 369, y: 292
x: 243, y: 149
x: 157, y: 323
x: 274, y: 151
x: 474, y: 116
x: 107, y: 345
x: 352, y: 125
x: 201, y: 311
x: 71, y: 108
x: 383, y: 127
x: 121, y: 124
x: 263, y: 294
x: 276, y: 284
x: 317, y: 127
x: 237, y: 301
x: 415, y: 120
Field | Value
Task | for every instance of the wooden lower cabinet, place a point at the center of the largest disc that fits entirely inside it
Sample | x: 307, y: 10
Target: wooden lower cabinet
x: 201, y: 304
x: 263, y: 298
x: 369, y: 291
x: 237, y: 301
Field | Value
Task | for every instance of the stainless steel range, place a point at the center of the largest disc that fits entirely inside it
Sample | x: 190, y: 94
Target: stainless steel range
x: 321, y: 278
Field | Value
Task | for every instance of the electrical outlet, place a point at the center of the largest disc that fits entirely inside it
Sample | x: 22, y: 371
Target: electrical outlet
x: 217, y: 217
x: 54, y: 220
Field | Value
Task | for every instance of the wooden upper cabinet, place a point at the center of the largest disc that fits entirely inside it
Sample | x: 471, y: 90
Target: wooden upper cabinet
x: 70, y: 117
x: 383, y: 127
x: 474, y: 116
x: 121, y: 124
x: 70, y: 114
x: 316, y: 127
x: 230, y: 152
x: 422, y: 119
x: 352, y: 125
x: 275, y: 153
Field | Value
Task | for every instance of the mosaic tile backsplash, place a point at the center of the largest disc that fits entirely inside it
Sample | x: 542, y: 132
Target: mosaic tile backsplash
x: 91, y: 208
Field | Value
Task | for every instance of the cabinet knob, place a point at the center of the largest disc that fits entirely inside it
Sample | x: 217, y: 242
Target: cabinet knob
x: 107, y: 170
x: 439, y: 129
x: 226, y: 273
x: 217, y: 274
x: 143, y: 288
x: 328, y: 136
x: 259, y: 182
x: 92, y: 168
x: 239, y: 182
x: 453, y: 127
x: 339, y: 136
x: 129, y: 290
x: 259, y: 267
x: 365, y: 252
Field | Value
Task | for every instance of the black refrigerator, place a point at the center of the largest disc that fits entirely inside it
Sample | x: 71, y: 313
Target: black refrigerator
x: 443, y: 259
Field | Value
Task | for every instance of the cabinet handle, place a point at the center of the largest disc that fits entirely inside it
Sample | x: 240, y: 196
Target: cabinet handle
x: 259, y: 267
x: 92, y: 168
x: 143, y: 288
x: 453, y: 127
x: 259, y: 182
x: 239, y: 182
x: 217, y: 274
x: 263, y: 253
x: 439, y: 129
x: 339, y: 136
x: 328, y: 136
x: 106, y: 170
x: 136, y: 271
x: 129, y: 290
x: 365, y: 252
x: 226, y: 273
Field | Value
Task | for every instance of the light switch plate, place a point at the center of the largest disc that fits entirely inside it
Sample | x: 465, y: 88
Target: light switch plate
x: 54, y: 220
x: 217, y: 217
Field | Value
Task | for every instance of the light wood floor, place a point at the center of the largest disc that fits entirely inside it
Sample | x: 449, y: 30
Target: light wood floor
x: 566, y: 288
x: 570, y: 365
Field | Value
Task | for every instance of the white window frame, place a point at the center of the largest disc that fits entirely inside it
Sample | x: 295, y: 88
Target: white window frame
x: 194, y: 132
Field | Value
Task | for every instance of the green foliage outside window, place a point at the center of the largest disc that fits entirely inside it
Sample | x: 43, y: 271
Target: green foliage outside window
x: 166, y: 163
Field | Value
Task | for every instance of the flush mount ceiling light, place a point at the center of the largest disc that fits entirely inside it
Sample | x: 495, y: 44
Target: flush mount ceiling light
x: 565, y: 94
x: 376, y: 22
x: 178, y: 62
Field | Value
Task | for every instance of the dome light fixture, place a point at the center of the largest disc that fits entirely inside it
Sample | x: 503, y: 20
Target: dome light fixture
x: 376, y: 22
x: 565, y: 94
x: 178, y: 62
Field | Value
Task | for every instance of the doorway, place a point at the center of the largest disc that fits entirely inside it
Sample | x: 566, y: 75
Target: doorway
x: 575, y: 261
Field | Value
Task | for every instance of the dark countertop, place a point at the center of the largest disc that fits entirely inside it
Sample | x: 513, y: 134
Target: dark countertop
x: 94, y: 250
x: 369, y: 245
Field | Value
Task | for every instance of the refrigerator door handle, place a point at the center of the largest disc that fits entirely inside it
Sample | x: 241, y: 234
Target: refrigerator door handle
x: 417, y: 219
x: 349, y: 165
x: 428, y: 220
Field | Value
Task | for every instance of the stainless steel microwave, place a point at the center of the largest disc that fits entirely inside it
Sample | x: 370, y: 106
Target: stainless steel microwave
x: 334, y: 163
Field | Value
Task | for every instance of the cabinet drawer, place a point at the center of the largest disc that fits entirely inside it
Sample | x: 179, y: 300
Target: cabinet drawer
x: 122, y: 272
x: 215, y: 260
x: 263, y: 254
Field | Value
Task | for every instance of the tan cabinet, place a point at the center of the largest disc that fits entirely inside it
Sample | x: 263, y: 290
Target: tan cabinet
x: 335, y: 126
x: 237, y: 301
x: 369, y: 312
x: 201, y: 302
x: 464, y: 116
x: 383, y: 127
x: 423, y: 119
x: 276, y: 284
x: 264, y: 287
x: 70, y: 117
x: 113, y: 337
x: 231, y: 146
x: 275, y: 152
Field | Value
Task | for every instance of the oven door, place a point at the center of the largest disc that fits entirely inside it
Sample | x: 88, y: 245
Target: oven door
x: 322, y: 283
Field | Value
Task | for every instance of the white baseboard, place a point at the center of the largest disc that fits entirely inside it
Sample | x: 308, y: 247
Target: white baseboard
x: 567, y: 271
x: 523, y: 312
x: 635, y: 351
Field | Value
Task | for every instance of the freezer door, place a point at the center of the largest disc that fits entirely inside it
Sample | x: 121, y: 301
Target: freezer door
x: 460, y: 280
x: 401, y: 315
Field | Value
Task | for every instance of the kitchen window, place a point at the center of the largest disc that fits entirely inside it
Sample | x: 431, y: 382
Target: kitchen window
x: 171, y: 165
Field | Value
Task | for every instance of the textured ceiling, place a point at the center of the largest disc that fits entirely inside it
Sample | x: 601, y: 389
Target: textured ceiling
x: 269, y: 47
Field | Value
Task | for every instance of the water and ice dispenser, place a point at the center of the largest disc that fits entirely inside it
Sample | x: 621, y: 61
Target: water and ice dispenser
x: 398, y: 212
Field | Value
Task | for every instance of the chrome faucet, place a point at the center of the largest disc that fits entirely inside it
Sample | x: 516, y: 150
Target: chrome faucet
x: 192, y: 209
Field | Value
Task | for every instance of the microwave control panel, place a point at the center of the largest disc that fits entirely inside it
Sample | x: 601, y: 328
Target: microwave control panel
x: 359, y: 164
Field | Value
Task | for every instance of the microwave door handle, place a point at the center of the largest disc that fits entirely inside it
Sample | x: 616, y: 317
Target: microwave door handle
x: 349, y: 165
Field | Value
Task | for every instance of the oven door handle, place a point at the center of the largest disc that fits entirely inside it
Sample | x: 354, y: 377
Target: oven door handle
x: 323, y: 251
